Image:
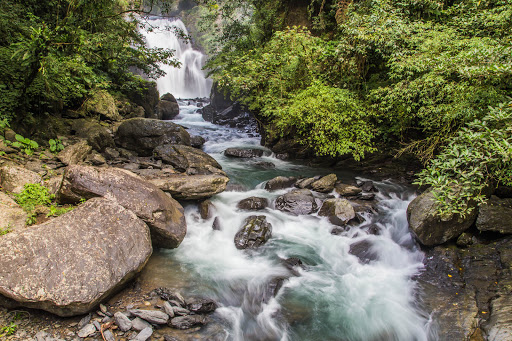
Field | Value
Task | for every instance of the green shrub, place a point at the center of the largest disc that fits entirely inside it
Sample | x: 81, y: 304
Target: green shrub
x: 33, y: 195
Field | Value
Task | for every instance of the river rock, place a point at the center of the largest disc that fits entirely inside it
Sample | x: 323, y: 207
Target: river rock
x: 363, y: 250
x: 339, y: 211
x: 167, y: 108
x: 164, y: 215
x: 86, y: 331
x: 142, y: 135
x: 197, y: 141
x: 168, y: 309
x: 253, y: 203
x: 122, y: 321
x: 347, y: 190
x: 495, y: 216
x: 428, y: 227
x: 280, y: 182
x: 69, y: 264
x: 367, y: 186
x: 305, y: 183
x: 216, y: 224
x: 144, y: 334
x: 189, y: 321
x: 186, y: 159
x: 192, y: 187
x: 139, y: 324
x: 109, y: 336
x: 97, y: 136
x: 255, y: 232
x: 298, y: 202
x: 243, y: 153
x: 206, y: 209
x: 75, y: 153
x: 13, y: 178
x: 12, y: 216
x: 325, y: 184
x: 152, y: 316
x: 201, y: 305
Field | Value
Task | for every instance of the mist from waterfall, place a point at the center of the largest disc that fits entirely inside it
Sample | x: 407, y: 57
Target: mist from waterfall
x: 189, y: 80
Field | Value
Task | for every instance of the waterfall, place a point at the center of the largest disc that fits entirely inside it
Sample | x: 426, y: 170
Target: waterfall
x: 189, y: 80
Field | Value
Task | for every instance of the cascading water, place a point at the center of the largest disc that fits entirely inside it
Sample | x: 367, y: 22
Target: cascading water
x: 189, y: 80
x: 336, y: 296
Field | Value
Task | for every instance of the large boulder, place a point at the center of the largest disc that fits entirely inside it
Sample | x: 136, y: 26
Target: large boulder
x: 143, y: 135
x: 298, y: 202
x: 255, y: 232
x: 339, y: 211
x: 167, y: 108
x: 280, y: 182
x: 75, y: 153
x: 103, y: 104
x: 68, y: 265
x: 163, y: 214
x: 97, y: 136
x: 253, y: 204
x: 186, y: 159
x: 495, y: 216
x: 192, y: 187
x: 325, y: 184
x: 12, y: 216
x: 243, y: 153
x: 428, y: 227
x: 13, y: 178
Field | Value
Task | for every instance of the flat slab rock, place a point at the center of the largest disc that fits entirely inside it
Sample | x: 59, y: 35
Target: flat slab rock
x: 164, y: 215
x: 69, y: 264
x: 192, y: 187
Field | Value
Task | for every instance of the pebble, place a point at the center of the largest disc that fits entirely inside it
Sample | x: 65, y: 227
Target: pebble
x: 86, y: 331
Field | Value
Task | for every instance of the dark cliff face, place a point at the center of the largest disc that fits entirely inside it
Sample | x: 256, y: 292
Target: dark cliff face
x: 296, y: 13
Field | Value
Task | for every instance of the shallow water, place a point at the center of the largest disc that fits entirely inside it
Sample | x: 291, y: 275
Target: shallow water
x: 336, y: 296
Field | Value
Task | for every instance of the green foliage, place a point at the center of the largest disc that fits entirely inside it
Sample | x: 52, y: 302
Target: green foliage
x: 33, y: 195
x: 479, y: 156
x: 5, y: 230
x: 25, y: 144
x: 56, y: 211
x: 55, y: 145
x: 8, y: 329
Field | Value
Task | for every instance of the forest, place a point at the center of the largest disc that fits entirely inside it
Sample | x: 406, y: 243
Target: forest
x: 421, y: 77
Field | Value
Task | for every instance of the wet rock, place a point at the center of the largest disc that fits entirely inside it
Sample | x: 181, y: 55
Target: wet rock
x: 272, y: 288
x: 122, y: 321
x: 12, y: 216
x: 179, y: 311
x: 298, y: 202
x: 339, y: 211
x: 324, y: 184
x: 170, y: 295
x: 243, y: 153
x: 365, y: 196
x: 347, y: 190
x: 192, y: 187
x: 201, y: 305
x: 167, y: 108
x: 292, y: 263
x: 87, y: 331
x: 253, y: 203
x: 13, y: 178
x: 143, y: 135
x: 337, y: 231
x: 96, y: 135
x: 144, y: 334
x: 139, y: 324
x: 363, y: 250
x: 367, y: 186
x: 152, y: 316
x: 465, y: 239
x: 255, y: 232
x: 75, y: 153
x: 206, y: 209
x: 108, y: 335
x: 305, y: 183
x: 495, y: 216
x: 216, y: 224
x: 428, y: 227
x: 197, y: 141
x: 264, y: 165
x: 53, y: 267
x: 164, y: 215
x: 186, y: 159
x: 168, y: 309
x: 189, y: 321
x: 280, y: 182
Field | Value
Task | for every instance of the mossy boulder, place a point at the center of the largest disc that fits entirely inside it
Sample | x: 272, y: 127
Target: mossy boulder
x: 103, y: 104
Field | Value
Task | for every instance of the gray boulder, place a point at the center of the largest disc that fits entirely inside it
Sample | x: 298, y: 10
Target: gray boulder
x: 298, y: 202
x: 325, y: 184
x: 280, y: 182
x: 142, y: 135
x: 186, y: 159
x: 75, y: 153
x: 13, y: 178
x: 428, y: 227
x: 495, y: 216
x: 255, y: 232
x: 167, y: 108
x: 96, y: 135
x: 12, y: 216
x: 163, y: 214
x: 339, y: 211
x: 70, y: 264
x: 197, y: 141
x: 253, y: 204
x: 243, y: 153
x: 192, y: 187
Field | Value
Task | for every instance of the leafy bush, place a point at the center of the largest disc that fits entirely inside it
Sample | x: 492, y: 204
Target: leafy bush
x: 479, y: 157
x: 25, y: 144
x: 33, y: 195
x: 55, y: 145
